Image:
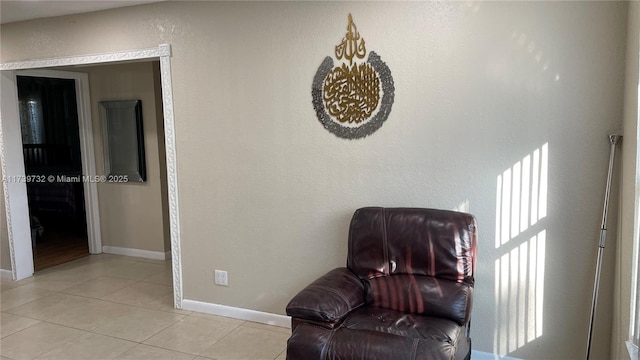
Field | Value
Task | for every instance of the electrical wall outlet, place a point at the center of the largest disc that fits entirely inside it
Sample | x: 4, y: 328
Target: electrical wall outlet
x: 221, y: 278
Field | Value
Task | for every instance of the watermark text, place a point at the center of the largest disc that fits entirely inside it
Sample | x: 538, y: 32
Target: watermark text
x: 15, y: 179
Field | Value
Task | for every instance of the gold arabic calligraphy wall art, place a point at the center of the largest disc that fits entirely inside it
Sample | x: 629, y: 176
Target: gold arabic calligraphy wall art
x: 353, y: 99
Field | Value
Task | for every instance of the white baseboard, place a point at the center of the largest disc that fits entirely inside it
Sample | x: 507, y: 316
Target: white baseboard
x: 237, y: 313
x: 156, y: 255
x: 6, y: 274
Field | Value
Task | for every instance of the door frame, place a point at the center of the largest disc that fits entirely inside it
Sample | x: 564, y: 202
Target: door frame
x: 87, y: 149
x: 15, y: 193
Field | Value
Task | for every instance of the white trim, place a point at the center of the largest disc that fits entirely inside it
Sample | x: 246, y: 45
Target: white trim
x: 147, y: 254
x: 6, y: 274
x: 87, y: 151
x: 15, y: 192
x: 237, y: 313
x: 119, y: 56
x: 162, y: 52
x: 172, y: 172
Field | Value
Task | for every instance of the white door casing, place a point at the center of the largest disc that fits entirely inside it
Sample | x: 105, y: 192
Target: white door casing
x: 87, y: 150
x: 15, y: 190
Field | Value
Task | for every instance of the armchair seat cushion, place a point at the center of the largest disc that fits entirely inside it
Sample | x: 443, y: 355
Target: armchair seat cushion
x: 404, y: 324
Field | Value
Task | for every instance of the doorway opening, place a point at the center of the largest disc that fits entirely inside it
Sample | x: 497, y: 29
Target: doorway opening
x: 52, y: 160
x: 12, y: 165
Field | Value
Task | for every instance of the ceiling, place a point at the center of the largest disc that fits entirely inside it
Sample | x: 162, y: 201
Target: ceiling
x: 18, y: 10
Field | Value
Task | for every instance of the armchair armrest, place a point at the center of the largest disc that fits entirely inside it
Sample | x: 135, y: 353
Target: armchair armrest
x: 328, y: 299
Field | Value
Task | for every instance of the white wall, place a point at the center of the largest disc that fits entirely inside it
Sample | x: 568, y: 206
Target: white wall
x: 267, y: 194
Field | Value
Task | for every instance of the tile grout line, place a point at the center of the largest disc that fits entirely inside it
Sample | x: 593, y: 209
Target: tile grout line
x: 39, y: 321
x: 217, y: 341
x: 64, y: 343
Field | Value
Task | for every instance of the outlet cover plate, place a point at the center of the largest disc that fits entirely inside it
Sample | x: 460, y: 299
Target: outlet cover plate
x: 221, y: 278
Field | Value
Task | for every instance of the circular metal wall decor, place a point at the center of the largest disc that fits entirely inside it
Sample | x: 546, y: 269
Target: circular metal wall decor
x: 353, y: 99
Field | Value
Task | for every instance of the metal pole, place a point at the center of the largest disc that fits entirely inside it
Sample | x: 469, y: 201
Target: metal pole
x: 613, y: 140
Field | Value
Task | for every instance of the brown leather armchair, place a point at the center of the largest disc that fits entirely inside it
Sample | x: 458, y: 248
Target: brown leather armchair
x: 406, y: 292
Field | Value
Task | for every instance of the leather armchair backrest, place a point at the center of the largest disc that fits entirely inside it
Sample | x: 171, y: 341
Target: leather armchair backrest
x: 390, y: 246
x: 439, y: 243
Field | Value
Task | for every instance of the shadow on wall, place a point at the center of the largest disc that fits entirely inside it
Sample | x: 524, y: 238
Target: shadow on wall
x: 521, y: 209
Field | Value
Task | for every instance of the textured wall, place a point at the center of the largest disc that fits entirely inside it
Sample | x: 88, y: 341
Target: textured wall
x: 484, y: 90
x: 131, y: 214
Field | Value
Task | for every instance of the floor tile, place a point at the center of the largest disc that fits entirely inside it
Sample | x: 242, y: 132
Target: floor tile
x: 54, y: 285
x: 6, y: 280
x: 21, y: 295
x: 46, y: 272
x: 165, y: 303
x: 191, y: 335
x: 61, y: 280
x: 149, y: 352
x: 282, y: 356
x: 135, y: 270
x: 151, y: 261
x: 65, y: 272
x: 7, y: 284
x: 279, y: 329
x: 99, y: 286
x: 89, y: 346
x: 23, y: 281
x: 75, y: 263
x: 137, y: 324
x: 37, y: 340
x: 139, y: 294
x: 265, y: 344
x: 218, y: 318
x: 164, y: 278
x: 4, y: 287
x: 106, y: 267
x: 48, y: 306
x: 10, y: 323
x: 91, y: 314
x: 106, y: 256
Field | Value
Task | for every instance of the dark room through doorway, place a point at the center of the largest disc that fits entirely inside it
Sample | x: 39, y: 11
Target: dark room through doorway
x: 53, y: 168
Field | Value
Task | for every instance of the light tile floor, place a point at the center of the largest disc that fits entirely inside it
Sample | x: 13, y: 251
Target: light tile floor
x: 118, y: 307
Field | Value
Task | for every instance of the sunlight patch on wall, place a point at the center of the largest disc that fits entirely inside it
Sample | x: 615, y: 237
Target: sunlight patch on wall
x: 462, y: 207
x: 521, y: 205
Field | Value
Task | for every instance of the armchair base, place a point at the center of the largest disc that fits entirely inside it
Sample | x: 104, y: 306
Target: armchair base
x: 376, y: 333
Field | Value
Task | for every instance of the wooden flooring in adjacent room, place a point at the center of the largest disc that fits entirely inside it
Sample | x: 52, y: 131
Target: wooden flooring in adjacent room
x: 57, y: 246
